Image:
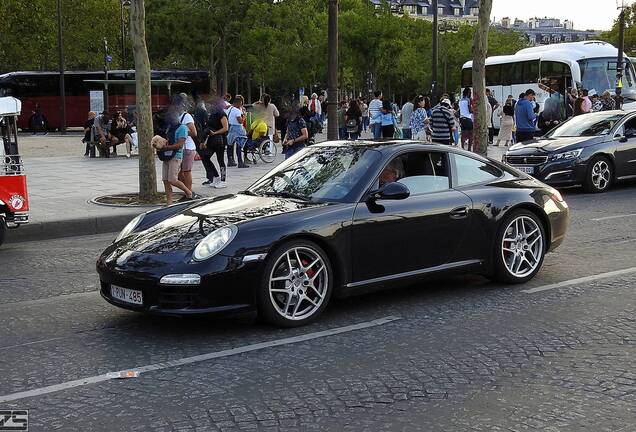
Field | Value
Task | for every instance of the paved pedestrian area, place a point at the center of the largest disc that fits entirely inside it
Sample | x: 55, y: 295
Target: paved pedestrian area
x: 61, y: 186
x: 455, y: 354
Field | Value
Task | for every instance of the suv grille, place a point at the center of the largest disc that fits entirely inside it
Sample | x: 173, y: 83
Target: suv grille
x: 526, y: 160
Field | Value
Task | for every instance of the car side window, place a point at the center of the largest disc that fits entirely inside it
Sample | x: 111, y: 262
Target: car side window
x: 422, y: 172
x: 630, y: 128
x: 472, y: 171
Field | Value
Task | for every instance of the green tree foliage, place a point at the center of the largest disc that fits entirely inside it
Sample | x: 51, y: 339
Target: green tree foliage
x: 279, y: 43
x: 611, y: 36
x: 29, y: 33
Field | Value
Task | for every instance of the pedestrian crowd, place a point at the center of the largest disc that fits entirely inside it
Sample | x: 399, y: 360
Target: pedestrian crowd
x: 224, y: 130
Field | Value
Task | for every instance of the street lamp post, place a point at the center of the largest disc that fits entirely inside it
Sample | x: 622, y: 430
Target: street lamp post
x: 124, y: 3
x: 60, y: 45
x: 332, y: 84
x: 621, y: 44
x: 434, y: 91
x: 445, y: 28
x: 107, y: 60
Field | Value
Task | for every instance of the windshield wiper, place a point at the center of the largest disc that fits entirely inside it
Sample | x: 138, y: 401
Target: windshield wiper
x: 285, y: 194
x: 247, y: 192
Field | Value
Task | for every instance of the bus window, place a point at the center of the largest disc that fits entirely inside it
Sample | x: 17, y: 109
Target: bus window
x: 467, y: 77
x: 513, y: 73
x: 554, y: 69
x: 530, y: 72
x: 493, y: 75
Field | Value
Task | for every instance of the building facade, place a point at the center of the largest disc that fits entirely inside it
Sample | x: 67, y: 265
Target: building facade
x: 544, y: 31
x: 460, y: 10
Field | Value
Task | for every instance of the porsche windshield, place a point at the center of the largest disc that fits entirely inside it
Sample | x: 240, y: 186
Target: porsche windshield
x: 586, y: 125
x: 320, y: 174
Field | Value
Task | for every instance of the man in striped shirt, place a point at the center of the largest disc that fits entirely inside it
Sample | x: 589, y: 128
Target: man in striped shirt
x: 374, y: 107
x: 442, y: 123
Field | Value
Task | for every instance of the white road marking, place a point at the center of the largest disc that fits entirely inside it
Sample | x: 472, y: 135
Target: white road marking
x: 46, y: 300
x: 614, y: 217
x: 198, y: 358
x: 580, y: 280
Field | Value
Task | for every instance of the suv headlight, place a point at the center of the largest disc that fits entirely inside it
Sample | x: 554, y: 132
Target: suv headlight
x: 214, y: 242
x: 572, y: 154
x: 130, y: 227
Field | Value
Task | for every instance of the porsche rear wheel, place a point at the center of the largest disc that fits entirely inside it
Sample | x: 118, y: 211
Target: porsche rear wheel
x: 296, y: 285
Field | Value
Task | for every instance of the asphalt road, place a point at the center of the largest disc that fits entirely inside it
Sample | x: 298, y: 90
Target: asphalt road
x: 449, y: 355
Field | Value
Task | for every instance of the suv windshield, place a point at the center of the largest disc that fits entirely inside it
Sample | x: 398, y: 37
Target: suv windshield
x: 586, y: 125
x: 320, y: 174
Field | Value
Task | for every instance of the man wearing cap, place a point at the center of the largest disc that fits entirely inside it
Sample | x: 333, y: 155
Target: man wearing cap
x: 525, y: 117
x: 442, y: 123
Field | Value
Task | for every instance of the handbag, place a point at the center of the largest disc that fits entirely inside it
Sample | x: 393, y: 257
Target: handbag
x: 276, y: 138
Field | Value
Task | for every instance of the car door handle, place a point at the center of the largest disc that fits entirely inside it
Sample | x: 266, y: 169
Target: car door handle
x: 459, y: 213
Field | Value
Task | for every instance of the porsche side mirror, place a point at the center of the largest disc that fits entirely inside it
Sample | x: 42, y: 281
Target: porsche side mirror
x: 391, y: 191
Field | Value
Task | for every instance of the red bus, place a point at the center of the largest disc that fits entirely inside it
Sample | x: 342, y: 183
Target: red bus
x: 43, y: 88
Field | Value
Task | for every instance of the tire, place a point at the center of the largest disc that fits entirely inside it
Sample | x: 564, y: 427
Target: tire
x: 520, y: 248
x: 294, y: 296
x: 3, y: 230
x: 267, y: 151
x: 599, y: 176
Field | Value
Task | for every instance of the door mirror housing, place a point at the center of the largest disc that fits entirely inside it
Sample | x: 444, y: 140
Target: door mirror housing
x: 390, y: 191
x: 621, y: 138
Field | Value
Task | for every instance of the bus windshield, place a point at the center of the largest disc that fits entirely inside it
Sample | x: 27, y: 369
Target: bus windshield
x: 599, y: 74
x: 595, y: 124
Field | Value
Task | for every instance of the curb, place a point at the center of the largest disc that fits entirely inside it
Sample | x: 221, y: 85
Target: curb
x: 69, y: 228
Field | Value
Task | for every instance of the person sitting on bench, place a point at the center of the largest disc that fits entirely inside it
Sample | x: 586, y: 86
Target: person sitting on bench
x: 102, y: 130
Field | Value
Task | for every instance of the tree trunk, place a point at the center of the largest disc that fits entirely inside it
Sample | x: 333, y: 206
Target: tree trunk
x: 224, y: 77
x: 213, y: 78
x: 147, y: 172
x: 249, y: 88
x: 480, y: 51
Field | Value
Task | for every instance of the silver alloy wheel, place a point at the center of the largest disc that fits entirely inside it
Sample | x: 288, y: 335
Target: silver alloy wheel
x: 522, y: 246
x: 601, y: 174
x: 298, y: 283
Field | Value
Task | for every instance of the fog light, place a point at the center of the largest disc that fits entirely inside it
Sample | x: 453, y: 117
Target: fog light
x: 181, y: 279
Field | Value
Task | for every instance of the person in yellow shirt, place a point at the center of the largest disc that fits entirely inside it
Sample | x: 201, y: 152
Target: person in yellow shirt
x: 258, y: 130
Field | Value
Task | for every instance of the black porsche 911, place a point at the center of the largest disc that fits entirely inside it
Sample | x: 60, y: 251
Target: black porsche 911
x: 335, y: 219
x: 593, y: 150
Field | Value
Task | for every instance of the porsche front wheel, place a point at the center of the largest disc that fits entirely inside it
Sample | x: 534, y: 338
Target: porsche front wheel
x: 296, y: 284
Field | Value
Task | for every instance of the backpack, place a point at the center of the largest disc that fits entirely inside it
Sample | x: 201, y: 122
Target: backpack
x: 166, y: 155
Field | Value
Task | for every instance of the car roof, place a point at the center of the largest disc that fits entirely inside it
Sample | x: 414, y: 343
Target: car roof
x: 390, y: 146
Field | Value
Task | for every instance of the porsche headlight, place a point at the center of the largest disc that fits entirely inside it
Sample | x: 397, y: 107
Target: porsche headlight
x: 130, y: 227
x: 214, y: 242
x: 572, y: 154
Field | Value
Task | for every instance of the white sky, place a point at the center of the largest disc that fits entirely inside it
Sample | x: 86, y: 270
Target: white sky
x: 586, y: 14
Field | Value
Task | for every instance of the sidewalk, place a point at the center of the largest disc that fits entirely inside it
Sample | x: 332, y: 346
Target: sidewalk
x: 61, y: 183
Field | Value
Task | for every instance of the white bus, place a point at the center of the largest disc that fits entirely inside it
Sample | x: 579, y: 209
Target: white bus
x: 590, y: 65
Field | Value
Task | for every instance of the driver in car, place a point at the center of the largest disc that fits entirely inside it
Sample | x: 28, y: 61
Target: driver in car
x: 391, y: 173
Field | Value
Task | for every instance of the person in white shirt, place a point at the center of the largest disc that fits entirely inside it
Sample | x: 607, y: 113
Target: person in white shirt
x: 190, y: 148
x: 466, y: 119
x: 237, y: 136
x: 374, y: 108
